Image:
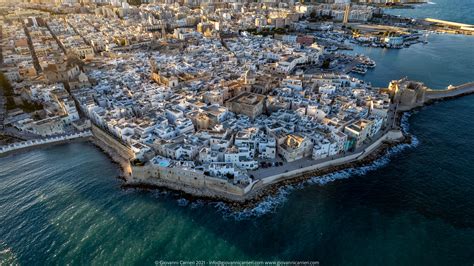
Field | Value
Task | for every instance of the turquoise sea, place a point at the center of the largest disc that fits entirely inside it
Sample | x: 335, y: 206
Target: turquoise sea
x: 64, y: 204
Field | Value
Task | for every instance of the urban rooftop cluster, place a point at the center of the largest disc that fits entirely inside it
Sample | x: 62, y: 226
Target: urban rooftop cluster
x: 219, y: 113
x: 205, y: 89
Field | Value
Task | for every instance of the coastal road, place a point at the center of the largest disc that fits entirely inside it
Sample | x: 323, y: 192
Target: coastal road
x: 305, y: 162
x: 302, y: 163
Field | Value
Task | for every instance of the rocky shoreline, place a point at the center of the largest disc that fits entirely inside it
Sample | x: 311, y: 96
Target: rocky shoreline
x: 250, y: 200
x: 255, y: 197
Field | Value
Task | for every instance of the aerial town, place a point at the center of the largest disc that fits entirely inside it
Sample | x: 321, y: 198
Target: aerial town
x: 208, y: 95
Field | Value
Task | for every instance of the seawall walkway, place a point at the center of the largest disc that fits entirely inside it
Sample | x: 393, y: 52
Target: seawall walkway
x: 392, y: 136
x: 431, y: 96
x: 451, y: 91
x: 38, y: 142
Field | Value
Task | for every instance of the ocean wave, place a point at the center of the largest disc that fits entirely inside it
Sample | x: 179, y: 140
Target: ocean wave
x: 268, y: 205
x: 405, y: 127
x: 197, y: 204
x: 404, y: 122
x: 183, y: 202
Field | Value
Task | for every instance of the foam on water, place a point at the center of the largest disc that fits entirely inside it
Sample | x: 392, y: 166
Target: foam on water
x: 197, y: 204
x: 183, y: 202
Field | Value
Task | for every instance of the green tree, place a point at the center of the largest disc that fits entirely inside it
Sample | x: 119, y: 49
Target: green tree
x: 135, y: 2
x: 326, y: 63
x: 7, y: 91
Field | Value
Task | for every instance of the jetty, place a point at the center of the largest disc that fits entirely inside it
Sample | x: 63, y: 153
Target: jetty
x: 412, y: 94
x: 450, y: 92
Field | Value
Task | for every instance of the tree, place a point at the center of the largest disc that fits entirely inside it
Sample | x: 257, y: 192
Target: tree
x: 7, y: 91
x: 326, y: 63
x: 5, y: 85
x: 135, y: 2
x: 279, y: 31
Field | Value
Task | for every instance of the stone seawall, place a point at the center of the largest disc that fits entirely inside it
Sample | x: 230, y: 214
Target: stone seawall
x: 431, y: 96
x: 176, y: 178
x: 118, y: 152
x: 393, y: 135
x: 186, y: 180
x: 198, y: 184
x: 451, y: 92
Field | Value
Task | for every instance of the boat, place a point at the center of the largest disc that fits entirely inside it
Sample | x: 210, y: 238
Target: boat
x: 367, y: 62
x: 360, y: 69
x: 371, y: 64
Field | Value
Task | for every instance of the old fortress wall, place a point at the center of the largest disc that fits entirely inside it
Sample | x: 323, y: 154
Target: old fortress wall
x: 196, y: 183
